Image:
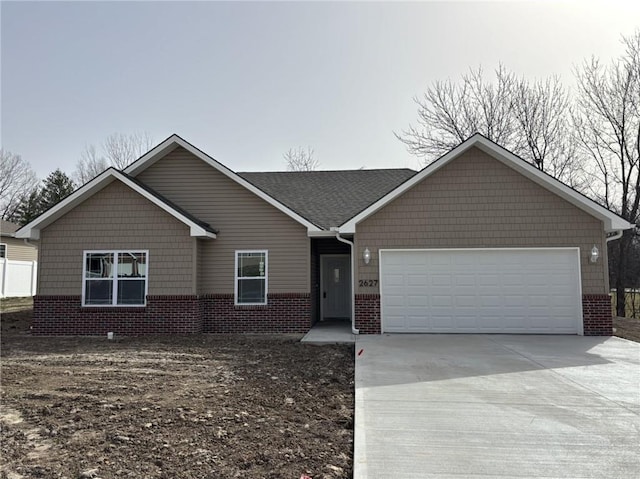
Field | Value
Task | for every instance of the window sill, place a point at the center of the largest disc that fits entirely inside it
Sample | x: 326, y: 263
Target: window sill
x: 114, y: 306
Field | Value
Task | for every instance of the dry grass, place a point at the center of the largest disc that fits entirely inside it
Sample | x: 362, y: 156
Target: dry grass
x: 632, y: 304
x: 12, y: 305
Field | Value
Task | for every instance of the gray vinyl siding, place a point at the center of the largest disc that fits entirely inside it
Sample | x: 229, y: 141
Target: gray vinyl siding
x: 478, y: 202
x: 244, y: 222
x: 17, y: 250
x: 116, y: 218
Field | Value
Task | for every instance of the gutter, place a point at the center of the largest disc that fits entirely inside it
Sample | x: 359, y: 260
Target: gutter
x: 616, y: 235
x: 353, y: 279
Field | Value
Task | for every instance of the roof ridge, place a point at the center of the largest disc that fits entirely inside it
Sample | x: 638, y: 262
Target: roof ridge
x: 330, y: 171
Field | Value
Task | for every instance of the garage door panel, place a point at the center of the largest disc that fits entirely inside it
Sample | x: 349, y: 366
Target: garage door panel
x: 464, y: 301
x: 441, y: 321
x: 464, y: 322
x: 394, y: 280
x: 417, y: 279
x: 489, y: 279
x: 440, y: 301
x: 513, y: 280
x: 488, y: 291
x: 417, y: 301
x: 488, y: 301
x: 465, y: 279
x: 395, y: 301
x: 440, y: 279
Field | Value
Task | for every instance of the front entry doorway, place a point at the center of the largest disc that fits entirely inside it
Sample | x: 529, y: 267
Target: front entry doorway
x: 335, y: 281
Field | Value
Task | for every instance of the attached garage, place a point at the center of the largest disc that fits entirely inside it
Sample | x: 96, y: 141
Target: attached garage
x: 496, y: 290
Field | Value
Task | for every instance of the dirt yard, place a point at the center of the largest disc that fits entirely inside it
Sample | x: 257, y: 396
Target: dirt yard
x: 185, y: 407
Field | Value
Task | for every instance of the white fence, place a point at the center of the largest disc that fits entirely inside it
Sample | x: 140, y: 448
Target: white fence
x: 17, y: 278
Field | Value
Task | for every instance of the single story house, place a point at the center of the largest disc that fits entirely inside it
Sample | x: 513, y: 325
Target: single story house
x: 18, y: 263
x: 479, y: 241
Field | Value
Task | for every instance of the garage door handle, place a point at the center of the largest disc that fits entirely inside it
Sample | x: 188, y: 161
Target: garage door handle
x: 324, y: 295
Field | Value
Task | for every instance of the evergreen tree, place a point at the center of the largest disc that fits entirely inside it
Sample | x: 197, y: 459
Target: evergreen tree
x: 55, y: 188
x: 28, y: 209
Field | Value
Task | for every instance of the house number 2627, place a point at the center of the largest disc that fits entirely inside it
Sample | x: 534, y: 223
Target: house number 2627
x: 368, y: 283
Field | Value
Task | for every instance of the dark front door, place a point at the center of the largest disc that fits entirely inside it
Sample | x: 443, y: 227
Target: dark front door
x: 335, y: 272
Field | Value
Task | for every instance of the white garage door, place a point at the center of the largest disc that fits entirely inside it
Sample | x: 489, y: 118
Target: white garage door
x: 481, y: 291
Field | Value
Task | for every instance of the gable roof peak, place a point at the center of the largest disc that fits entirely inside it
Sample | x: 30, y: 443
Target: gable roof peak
x: 31, y: 230
x: 173, y: 141
x: 612, y: 222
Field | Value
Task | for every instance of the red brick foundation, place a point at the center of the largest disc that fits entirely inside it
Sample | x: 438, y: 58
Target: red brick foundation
x: 596, y: 313
x: 283, y: 313
x: 216, y: 313
x: 368, y: 313
x: 64, y: 315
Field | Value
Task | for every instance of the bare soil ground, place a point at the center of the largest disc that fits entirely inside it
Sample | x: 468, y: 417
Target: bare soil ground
x: 200, y: 406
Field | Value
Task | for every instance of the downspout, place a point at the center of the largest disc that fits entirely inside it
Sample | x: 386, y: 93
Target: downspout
x: 31, y: 245
x: 353, y: 280
x: 615, y: 236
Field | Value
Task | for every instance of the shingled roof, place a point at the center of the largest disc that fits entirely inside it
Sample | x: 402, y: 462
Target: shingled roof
x: 328, y: 198
x: 172, y: 205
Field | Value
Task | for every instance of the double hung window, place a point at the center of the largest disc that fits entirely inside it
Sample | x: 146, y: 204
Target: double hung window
x: 251, y: 277
x: 115, y: 278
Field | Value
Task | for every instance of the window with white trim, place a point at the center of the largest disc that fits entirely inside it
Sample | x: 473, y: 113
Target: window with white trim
x: 3, y: 250
x: 251, y: 277
x: 115, y: 278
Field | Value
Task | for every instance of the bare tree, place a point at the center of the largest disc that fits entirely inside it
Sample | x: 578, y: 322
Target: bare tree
x: 607, y: 120
x: 90, y: 165
x: 449, y: 113
x: 118, y: 150
x: 17, y: 180
x: 542, y: 114
x: 529, y: 118
x: 299, y: 159
x: 121, y: 150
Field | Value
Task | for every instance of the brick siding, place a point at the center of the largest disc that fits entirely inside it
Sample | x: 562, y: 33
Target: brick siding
x: 64, y: 316
x: 283, y: 313
x: 596, y: 313
x: 368, y: 313
x: 216, y: 313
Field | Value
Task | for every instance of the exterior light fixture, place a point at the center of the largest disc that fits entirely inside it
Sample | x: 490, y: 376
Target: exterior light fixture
x: 366, y: 256
x: 595, y: 254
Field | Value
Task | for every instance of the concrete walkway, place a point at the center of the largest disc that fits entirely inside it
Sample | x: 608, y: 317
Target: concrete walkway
x: 482, y: 406
x: 330, y: 332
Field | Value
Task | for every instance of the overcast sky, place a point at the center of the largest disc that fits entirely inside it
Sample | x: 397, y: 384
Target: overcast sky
x: 246, y: 81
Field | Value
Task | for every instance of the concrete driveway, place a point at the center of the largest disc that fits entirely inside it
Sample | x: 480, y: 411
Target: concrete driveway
x: 465, y: 406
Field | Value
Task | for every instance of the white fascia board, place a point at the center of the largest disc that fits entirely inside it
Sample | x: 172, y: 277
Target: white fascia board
x: 612, y: 222
x: 200, y: 232
x: 174, y: 140
x: 32, y: 229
